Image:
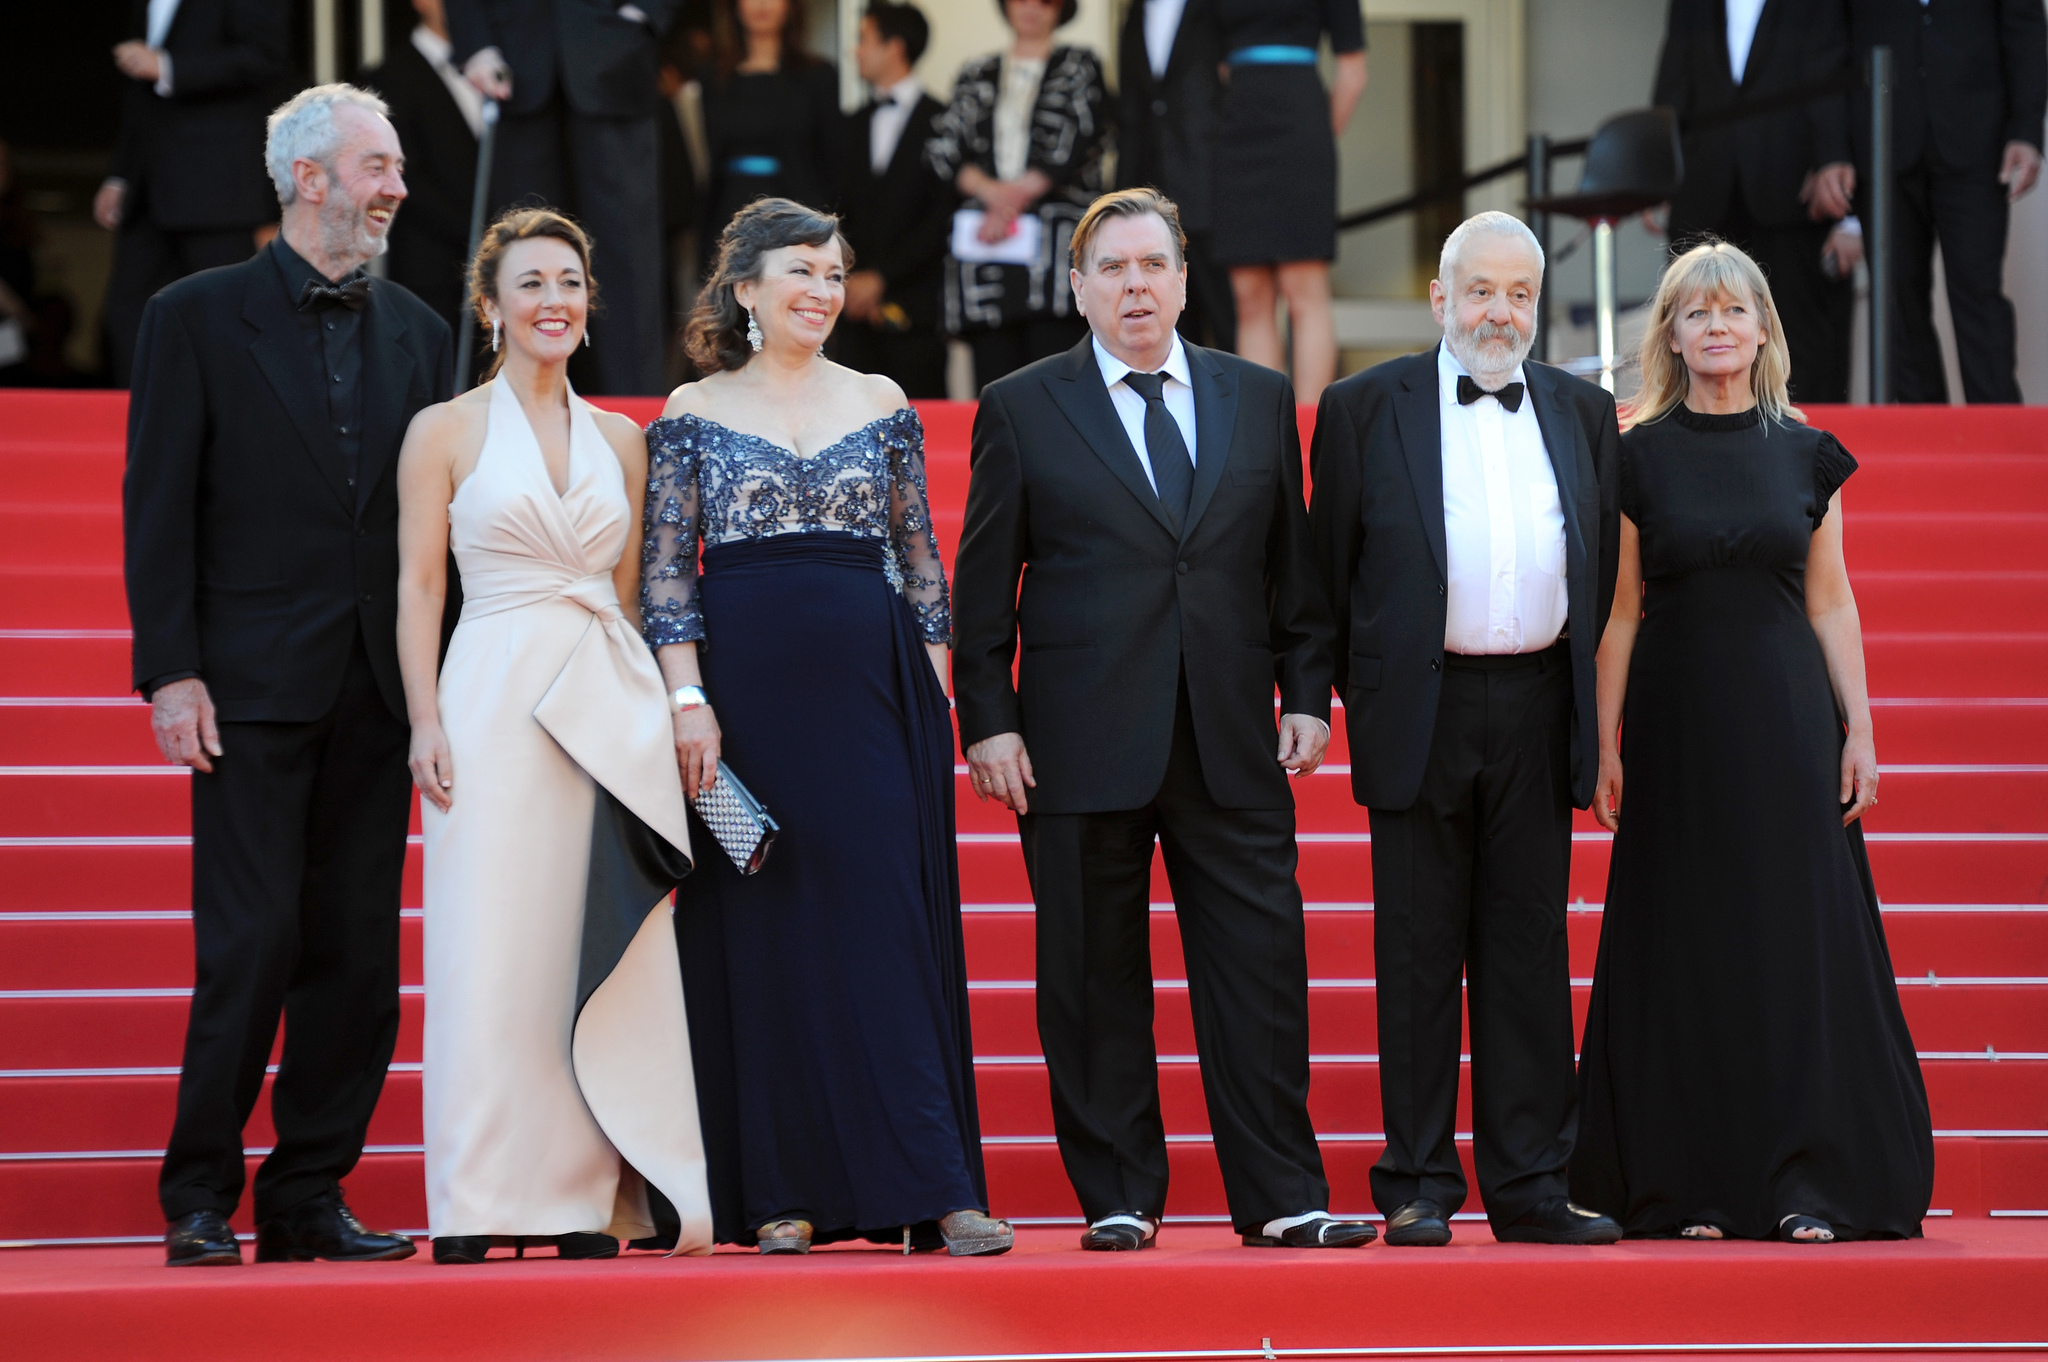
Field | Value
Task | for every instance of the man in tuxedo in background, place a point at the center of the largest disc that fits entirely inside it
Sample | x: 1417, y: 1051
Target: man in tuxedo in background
x: 1170, y: 94
x: 1148, y: 494
x: 1775, y: 185
x: 1466, y: 529
x: 1969, y: 92
x: 260, y: 519
x: 897, y: 213
x: 186, y: 191
x: 578, y: 81
x: 439, y: 116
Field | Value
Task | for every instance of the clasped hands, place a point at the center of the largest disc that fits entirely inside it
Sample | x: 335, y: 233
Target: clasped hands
x: 1001, y: 769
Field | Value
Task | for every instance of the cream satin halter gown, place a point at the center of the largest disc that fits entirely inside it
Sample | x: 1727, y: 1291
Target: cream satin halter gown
x: 541, y: 1119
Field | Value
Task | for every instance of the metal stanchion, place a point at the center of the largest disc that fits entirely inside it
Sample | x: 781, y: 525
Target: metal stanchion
x: 1877, y: 231
x: 1603, y: 297
x: 479, y: 205
x: 1538, y: 178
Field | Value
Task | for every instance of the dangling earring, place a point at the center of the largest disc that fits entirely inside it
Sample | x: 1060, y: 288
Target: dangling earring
x: 754, y: 337
x: 586, y: 335
x: 494, y: 337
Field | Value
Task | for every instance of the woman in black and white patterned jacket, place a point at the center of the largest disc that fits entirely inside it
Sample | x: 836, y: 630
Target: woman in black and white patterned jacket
x: 1023, y: 139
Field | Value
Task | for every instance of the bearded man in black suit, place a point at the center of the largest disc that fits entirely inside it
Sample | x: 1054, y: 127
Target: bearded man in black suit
x: 260, y: 518
x: 1147, y: 493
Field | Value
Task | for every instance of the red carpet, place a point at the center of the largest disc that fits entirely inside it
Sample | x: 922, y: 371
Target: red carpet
x: 1947, y: 533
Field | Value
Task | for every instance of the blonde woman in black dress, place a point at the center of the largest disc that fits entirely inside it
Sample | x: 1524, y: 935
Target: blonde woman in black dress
x: 1746, y: 1071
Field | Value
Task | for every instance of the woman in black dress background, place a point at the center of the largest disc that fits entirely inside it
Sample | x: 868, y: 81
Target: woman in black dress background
x: 1276, y: 173
x: 771, y: 114
x: 1746, y: 1069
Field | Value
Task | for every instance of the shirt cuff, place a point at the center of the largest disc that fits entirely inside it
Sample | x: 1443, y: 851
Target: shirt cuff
x: 150, y: 687
x: 1852, y: 224
x: 163, y: 73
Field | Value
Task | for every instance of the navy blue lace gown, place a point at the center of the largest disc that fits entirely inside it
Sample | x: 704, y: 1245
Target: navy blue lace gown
x: 827, y: 994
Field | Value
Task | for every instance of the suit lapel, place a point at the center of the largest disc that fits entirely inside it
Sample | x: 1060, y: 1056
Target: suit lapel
x: 904, y: 161
x: 1759, y: 42
x: 387, y: 376
x: 1215, y: 425
x: 1420, y: 420
x: 1078, y: 391
x: 279, y: 350
x: 1561, y: 442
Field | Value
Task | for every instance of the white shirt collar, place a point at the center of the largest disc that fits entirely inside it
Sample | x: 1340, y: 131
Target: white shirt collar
x: 1449, y: 371
x: 904, y: 92
x: 1114, y: 369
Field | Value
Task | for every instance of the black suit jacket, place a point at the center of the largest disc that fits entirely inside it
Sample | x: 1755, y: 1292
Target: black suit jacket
x: 1969, y: 76
x: 1166, y: 126
x: 249, y: 558
x: 1378, y: 518
x: 1797, y: 42
x: 1115, y: 605
x: 194, y: 161
x: 600, y: 63
x: 899, y: 222
x: 430, y: 236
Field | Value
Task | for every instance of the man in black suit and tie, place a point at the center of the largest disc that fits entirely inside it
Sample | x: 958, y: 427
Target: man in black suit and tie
x: 578, y: 81
x: 1169, y: 95
x: 1148, y: 494
x: 1970, y: 90
x: 1777, y: 184
x: 260, y: 515
x: 1466, y: 529
x: 201, y: 76
x: 896, y: 214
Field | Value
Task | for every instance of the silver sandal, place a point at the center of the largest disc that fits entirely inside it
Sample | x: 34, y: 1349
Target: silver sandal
x: 784, y: 1236
x: 970, y: 1234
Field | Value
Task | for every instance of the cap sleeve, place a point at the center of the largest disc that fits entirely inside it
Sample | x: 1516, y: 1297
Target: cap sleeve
x: 1832, y: 466
x: 1345, y: 20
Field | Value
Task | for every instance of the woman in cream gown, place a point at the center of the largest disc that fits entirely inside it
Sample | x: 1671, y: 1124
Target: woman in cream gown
x: 557, y: 1078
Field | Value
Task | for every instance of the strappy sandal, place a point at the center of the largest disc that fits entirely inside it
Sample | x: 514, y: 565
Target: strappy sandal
x: 784, y: 1236
x: 970, y: 1234
x: 1789, y: 1227
x: 1700, y: 1229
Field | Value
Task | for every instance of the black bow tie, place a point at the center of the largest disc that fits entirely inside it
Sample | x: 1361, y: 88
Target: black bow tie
x: 1469, y: 392
x: 318, y: 297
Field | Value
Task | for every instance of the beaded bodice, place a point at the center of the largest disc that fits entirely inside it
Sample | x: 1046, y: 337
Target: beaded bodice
x: 708, y: 484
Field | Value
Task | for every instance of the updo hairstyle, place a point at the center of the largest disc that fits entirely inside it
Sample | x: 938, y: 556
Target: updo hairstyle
x: 524, y: 224
x: 715, y: 337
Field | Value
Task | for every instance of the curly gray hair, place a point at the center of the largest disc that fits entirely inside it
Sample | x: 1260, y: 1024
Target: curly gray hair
x: 302, y: 129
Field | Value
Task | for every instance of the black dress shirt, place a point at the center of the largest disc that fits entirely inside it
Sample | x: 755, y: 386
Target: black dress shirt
x: 334, y: 340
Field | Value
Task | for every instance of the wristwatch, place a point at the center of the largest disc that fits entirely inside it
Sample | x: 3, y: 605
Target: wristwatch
x: 687, y: 697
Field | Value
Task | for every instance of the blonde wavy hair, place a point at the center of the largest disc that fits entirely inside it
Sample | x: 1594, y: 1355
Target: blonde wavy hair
x: 1713, y: 269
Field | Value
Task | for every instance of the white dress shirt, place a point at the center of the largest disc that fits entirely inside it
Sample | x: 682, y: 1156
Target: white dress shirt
x: 157, y: 32
x: 1178, y: 392
x: 1162, y: 23
x: 1743, y: 16
x: 437, y: 50
x: 1503, y: 523
x: 893, y: 108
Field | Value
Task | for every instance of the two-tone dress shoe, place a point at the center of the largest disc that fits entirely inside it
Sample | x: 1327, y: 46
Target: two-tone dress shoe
x: 1558, y: 1220
x: 1124, y: 1232
x: 1322, y: 1232
x: 201, y: 1239
x: 1420, y: 1223
x: 326, y: 1228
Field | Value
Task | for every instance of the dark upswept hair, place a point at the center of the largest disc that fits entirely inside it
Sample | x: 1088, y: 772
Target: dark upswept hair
x: 729, y: 38
x: 715, y: 337
x: 524, y: 224
x: 1068, y: 9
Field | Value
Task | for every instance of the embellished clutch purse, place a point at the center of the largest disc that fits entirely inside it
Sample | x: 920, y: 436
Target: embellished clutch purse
x: 737, y: 820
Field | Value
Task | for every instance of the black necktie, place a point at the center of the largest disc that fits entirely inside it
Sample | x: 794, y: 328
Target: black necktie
x: 1173, y: 472
x: 1470, y: 392
x: 318, y: 297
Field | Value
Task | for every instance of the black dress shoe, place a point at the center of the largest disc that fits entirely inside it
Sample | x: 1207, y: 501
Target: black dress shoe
x: 461, y: 1248
x: 1318, y: 1234
x: 1419, y: 1223
x: 585, y: 1246
x: 1558, y: 1220
x: 326, y: 1228
x: 1123, y: 1232
x: 201, y: 1239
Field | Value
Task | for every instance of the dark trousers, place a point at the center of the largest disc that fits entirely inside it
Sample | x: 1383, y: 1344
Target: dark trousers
x: 1469, y: 887
x: 1818, y: 313
x: 605, y: 171
x: 1232, y: 872
x: 1210, y: 317
x: 915, y: 359
x: 1003, y: 350
x: 148, y: 258
x: 1968, y: 214
x: 298, y: 847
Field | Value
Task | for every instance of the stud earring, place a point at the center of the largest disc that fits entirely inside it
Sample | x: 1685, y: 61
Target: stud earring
x: 754, y: 337
x: 494, y: 337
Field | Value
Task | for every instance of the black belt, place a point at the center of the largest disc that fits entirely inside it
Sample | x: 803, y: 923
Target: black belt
x: 1557, y: 654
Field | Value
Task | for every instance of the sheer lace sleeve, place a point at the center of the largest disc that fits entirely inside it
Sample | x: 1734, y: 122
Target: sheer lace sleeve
x: 912, y: 542
x: 672, y: 522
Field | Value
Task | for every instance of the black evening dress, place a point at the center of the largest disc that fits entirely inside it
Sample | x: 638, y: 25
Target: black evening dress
x: 769, y: 133
x: 1745, y: 1056
x: 827, y: 994
x: 1276, y: 159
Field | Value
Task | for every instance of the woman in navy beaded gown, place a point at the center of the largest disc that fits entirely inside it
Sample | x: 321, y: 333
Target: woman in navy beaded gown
x: 828, y: 992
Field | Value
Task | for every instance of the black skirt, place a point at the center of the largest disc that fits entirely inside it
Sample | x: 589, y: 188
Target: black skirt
x: 1276, y: 168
